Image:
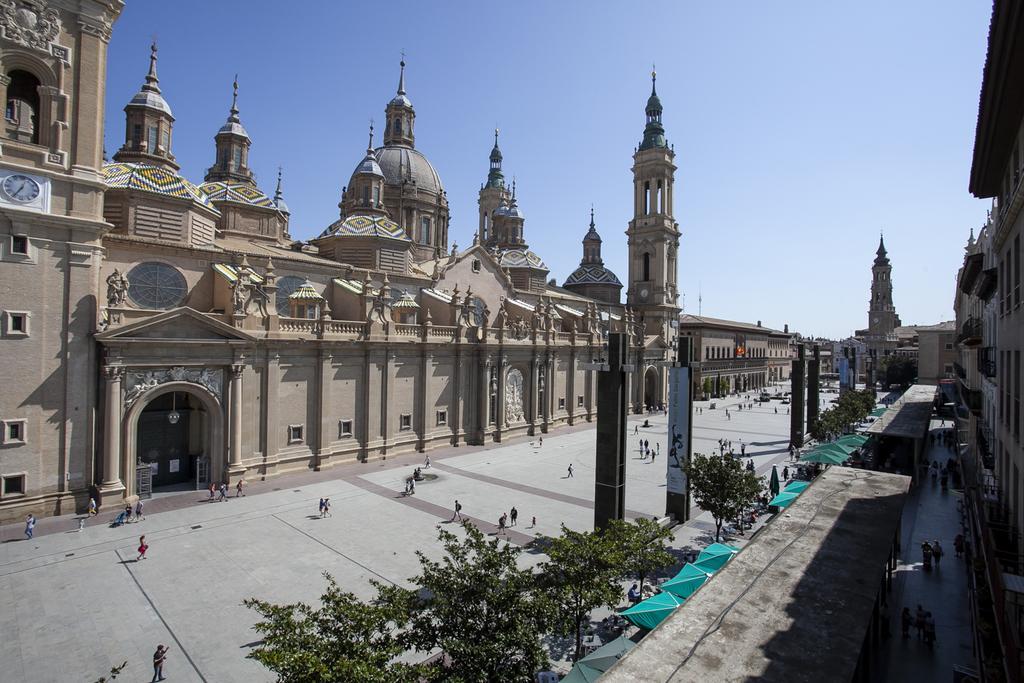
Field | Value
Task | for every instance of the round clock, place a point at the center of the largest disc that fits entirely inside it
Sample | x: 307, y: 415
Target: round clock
x: 643, y: 293
x: 20, y: 188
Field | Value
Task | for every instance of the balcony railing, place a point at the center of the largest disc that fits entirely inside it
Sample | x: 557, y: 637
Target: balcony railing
x: 970, y: 332
x: 987, y: 361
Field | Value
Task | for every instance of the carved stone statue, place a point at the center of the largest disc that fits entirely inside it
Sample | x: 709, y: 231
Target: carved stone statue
x: 513, y: 397
x: 117, y: 288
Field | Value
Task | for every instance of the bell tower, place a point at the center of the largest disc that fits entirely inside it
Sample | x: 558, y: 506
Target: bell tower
x: 232, y: 162
x: 882, y: 318
x: 653, y: 234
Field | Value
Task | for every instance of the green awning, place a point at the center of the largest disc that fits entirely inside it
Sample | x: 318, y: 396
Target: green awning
x: 877, y: 412
x: 719, y: 549
x: 783, y: 499
x: 582, y: 673
x: 825, y: 457
x: 605, y: 656
x: 796, y: 486
x: 712, y: 563
x: 653, y: 610
x: 857, y: 440
x: 686, y: 582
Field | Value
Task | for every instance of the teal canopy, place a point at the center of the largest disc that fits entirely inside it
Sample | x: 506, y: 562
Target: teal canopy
x: 686, y: 582
x: 857, y: 440
x: 712, y: 563
x: 796, y: 486
x: 719, y: 549
x: 824, y: 457
x: 590, y: 668
x: 653, y: 610
x: 877, y: 412
x: 840, y: 447
x: 783, y: 499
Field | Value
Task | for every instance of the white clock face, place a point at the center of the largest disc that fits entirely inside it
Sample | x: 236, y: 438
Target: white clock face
x: 20, y: 188
x: 643, y: 293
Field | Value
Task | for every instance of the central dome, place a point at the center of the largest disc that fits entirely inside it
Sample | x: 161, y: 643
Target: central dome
x: 405, y: 164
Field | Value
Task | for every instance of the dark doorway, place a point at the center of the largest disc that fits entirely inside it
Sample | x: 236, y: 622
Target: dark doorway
x: 169, y: 437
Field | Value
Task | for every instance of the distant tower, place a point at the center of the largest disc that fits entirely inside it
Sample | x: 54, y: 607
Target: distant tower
x: 592, y: 279
x: 653, y: 234
x: 148, y: 124
x: 492, y: 193
x: 232, y: 140
x: 882, y: 318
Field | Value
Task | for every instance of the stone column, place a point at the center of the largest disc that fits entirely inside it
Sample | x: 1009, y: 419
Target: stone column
x: 610, y: 461
x: 796, y: 412
x: 485, y: 397
x: 235, y: 420
x: 534, y: 393
x: 457, y: 393
x: 499, y: 418
x: 423, y: 395
x: 570, y: 389
x: 813, y: 380
x: 112, y: 432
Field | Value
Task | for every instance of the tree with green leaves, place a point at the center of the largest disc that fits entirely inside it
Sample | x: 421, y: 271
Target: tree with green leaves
x: 721, y: 486
x: 344, y: 639
x: 478, y: 607
x: 899, y: 370
x: 580, y: 575
x: 708, y: 387
x: 641, y: 547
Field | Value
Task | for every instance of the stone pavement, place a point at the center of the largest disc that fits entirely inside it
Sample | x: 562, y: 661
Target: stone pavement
x: 929, y: 514
x: 79, y: 602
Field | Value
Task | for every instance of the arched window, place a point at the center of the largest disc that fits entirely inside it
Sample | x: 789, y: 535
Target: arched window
x: 22, y: 107
x: 286, y: 286
x: 398, y: 126
x: 156, y: 285
x: 425, y: 230
x: 647, y: 197
x: 647, y: 268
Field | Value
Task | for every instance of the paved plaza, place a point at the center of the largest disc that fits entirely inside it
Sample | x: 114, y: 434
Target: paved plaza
x: 79, y: 602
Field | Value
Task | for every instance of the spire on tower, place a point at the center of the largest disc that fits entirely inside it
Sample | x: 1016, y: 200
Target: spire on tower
x: 494, y: 175
x: 152, y: 82
x: 654, y: 132
x: 233, y: 116
x: 401, y: 75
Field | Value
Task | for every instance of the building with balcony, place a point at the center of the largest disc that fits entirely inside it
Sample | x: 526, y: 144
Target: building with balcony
x: 990, y: 338
x: 735, y: 356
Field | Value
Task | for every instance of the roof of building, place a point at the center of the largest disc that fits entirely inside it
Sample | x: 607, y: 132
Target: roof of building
x: 366, y: 226
x: 160, y: 181
x: 807, y: 579
x: 689, y: 320
x: 909, y: 415
x: 946, y: 326
x: 520, y: 258
x: 401, y: 164
x: 592, y: 274
x: 241, y: 193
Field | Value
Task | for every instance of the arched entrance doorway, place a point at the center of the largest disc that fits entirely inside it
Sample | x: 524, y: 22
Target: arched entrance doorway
x: 176, y: 432
x: 652, y: 390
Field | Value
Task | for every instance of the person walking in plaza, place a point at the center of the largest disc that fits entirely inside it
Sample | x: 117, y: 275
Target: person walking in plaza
x: 223, y: 491
x: 501, y: 524
x: 458, y: 511
x: 540, y: 442
x: 321, y: 508
x: 929, y: 629
x: 92, y: 507
x: 926, y: 553
x: 159, y: 657
x: 958, y: 546
x: 128, y: 513
x: 653, y: 453
x: 238, y: 487
x: 570, y: 470
x: 905, y: 620
x: 513, y: 515
x: 936, y: 552
x: 919, y: 621
x: 327, y: 507
x: 30, y: 526
x: 138, y: 511
x: 426, y: 463
x: 785, y: 473
x: 213, y: 492
x: 533, y: 521
x: 142, y: 548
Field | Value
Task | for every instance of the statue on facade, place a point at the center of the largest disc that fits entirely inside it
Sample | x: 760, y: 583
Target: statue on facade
x: 117, y: 288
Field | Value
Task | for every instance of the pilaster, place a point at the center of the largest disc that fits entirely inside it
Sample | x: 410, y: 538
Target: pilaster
x: 112, y: 482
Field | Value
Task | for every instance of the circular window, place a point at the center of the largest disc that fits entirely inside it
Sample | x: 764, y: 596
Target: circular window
x: 286, y: 286
x: 156, y: 285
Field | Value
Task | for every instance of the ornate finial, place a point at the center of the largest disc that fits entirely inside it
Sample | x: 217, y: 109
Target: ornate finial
x: 495, y: 137
x: 233, y: 117
x: 152, y: 82
x: 513, y: 188
x: 401, y: 75
x: 277, y: 192
x: 270, y: 265
x: 591, y: 216
x: 369, y: 149
x: 654, y: 78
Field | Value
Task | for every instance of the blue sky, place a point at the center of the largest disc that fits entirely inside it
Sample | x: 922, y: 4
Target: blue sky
x: 801, y: 129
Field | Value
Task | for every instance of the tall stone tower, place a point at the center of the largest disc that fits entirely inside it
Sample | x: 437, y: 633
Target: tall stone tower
x: 882, y: 318
x: 653, y: 234
x: 53, y: 65
x: 492, y: 194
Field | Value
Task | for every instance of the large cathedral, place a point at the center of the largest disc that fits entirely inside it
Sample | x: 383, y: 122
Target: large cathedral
x: 162, y: 333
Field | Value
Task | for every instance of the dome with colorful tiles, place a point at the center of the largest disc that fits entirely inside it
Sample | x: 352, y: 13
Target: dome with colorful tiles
x: 366, y: 226
x: 241, y: 193
x: 520, y: 258
x: 592, y: 274
x: 160, y: 181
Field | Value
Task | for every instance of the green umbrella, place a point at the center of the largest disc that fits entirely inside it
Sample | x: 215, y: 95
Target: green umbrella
x: 719, y: 549
x: 605, y: 656
x: 854, y: 439
x: 840, y: 447
x: 653, y: 610
x: 686, y: 582
x: 824, y: 457
x: 581, y: 673
x: 773, y: 483
x: 783, y: 499
x: 796, y: 486
x: 712, y: 563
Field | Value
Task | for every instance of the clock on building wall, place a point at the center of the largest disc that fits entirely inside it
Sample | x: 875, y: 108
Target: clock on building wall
x: 643, y: 294
x: 875, y: 320
x: 24, y: 191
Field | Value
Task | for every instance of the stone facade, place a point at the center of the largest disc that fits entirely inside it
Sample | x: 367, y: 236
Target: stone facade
x: 159, y: 332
